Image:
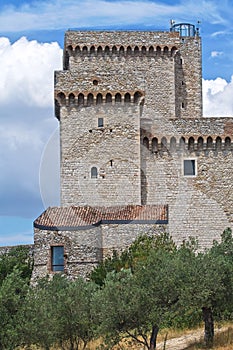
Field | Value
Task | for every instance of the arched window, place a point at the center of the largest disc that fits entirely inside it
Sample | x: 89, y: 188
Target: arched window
x: 146, y: 142
x: 80, y: 100
x: 191, y: 144
x: 227, y: 143
x: 173, y: 51
x: 127, y: 98
x: 129, y: 50
x: 209, y: 142
x: 200, y: 143
x: 70, y: 50
x: 182, y: 143
x: 173, y: 144
x: 92, y: 50
x: 165, y: 50
x: 118, y: 97
x: 99, y: 50
x: 158, y: 50
x: 77, y: 50
x: 99, y: 99
x: 108, y: 98
x: 136, y: 51
x: 151, y: 51
x: 94, y: 172
x: 114, y: 50
x: 163, y: 144
x: 71, y: 99
x: 62, y: 98
x: 218, y: 143
x: 121, y: 50
x: 155, y: 147
x: 143, y: 50
x: 107, y: 50
x: 137, y: 96
x: 90, y: 99
x: 85, y: 50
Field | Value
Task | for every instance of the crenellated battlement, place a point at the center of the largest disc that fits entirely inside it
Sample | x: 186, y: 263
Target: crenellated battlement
x: 121, y: 51
x: 194, y: 145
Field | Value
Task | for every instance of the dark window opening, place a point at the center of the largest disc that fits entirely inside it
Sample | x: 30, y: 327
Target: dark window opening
x: 94, y: 172
x: 99, y: 99
x: 80, y: 99
x: 200, y: 143
x: 146, y: 142
x: 100, y: 122
x: 108, y: 98
x: 90, y: 99
x: 189, y: 167
x: 57, y: 258
x: 209, y: 142
x: 127, y: 98
x: 155, y: 147
x: 118, y: 97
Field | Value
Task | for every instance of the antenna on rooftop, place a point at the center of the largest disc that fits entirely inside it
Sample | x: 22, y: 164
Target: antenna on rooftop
x: 172, y: 22
x: 198, y: 28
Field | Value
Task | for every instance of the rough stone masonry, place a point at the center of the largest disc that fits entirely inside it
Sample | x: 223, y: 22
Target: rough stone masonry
x: 137, y: 156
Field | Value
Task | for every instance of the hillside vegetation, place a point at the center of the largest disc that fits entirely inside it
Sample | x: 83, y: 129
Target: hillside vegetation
x: 131, y: 298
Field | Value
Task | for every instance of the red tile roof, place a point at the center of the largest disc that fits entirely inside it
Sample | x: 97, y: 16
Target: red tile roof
x: 78, y: 217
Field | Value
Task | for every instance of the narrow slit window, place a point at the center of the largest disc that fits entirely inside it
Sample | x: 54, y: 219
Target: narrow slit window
x: 57, y: 255
x: 189, y: 167
x: 94, y: 172
x: 100, y: 122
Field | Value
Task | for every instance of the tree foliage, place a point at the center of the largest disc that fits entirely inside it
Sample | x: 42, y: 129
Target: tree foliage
x: 151, y: 285
x: 58, y: 312
x: 15, y: 273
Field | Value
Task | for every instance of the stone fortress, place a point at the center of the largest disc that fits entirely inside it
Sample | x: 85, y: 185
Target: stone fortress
x: 137, y: 156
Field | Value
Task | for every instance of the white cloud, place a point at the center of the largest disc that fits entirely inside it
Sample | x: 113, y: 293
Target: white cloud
x: 27, y: 71
x: 217, y: 98
x: 27, y: 119
x: 216, y: 54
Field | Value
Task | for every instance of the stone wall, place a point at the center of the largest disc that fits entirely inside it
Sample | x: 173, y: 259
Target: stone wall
x: 113, y: 149
x: 200, y: 205
x: 85, y: 248
x: 82, y: 251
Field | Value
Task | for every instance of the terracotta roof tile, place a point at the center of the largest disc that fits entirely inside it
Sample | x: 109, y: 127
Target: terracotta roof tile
x: 82, y: 216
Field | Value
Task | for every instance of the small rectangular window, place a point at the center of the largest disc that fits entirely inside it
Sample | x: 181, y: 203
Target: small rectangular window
x: 57, y: 261
x: 100, y: 122
x: 189, y: 167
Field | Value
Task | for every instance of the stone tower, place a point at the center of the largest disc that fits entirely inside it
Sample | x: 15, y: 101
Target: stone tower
x: 134, y: 145
x: 114, y: 87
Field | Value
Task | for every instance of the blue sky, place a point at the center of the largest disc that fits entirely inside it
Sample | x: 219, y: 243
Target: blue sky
x: 31, y: 40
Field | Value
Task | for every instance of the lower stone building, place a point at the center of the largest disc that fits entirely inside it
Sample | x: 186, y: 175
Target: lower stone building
x: 76, y: 239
